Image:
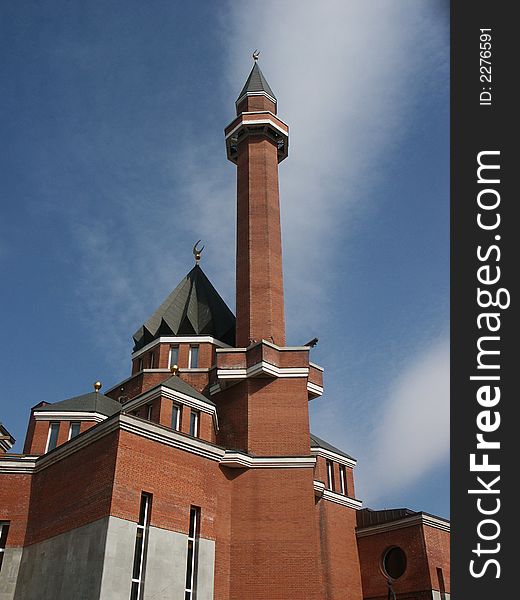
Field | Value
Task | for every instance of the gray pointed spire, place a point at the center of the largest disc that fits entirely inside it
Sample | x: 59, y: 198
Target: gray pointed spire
x: 256, y: 84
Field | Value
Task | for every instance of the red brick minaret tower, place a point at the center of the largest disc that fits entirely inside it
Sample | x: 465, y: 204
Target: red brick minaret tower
x: 257, y: 140
x: 262, y: 387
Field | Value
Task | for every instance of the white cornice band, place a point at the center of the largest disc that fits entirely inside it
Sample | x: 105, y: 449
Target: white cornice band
x: 239, y: 460
x: 326, y: 494
x: 318, y: 451
x: 314, y: 389
x: 265, y: 368
x: 419, y: 519
x: 157, y: 433
x: 68, y: 415
x: 259, y: 122
x: 181, y: 339
x: 262, y: 93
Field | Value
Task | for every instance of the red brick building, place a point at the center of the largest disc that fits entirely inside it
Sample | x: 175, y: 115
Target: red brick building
x: 197, y: 477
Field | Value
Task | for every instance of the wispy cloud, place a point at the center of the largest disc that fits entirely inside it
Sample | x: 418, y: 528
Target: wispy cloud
x: 411, y: 428
x: 345, y: 75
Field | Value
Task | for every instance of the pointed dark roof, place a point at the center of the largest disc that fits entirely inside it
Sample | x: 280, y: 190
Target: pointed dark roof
x: 318, y: 442
x: 256, y: 82
x: 91, y: 402
x: 193, y: 308
x: 179, y: 385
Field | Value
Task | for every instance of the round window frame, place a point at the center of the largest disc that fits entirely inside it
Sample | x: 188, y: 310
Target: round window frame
x: 382, y: 563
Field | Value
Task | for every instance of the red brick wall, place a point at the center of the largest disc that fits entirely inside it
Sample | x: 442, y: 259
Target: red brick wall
x: 273, y: 535
x: 74, y: 491
x: 438, y: 551
x: 265, y: 417
x: 176, y: 479
x: 417, y: 575
x: 254, y: 103
x: 14, y: 505
x: 339, y: 553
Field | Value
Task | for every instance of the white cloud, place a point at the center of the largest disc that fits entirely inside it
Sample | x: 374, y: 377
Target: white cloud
x: 411, y: 436
x: 345, y: 74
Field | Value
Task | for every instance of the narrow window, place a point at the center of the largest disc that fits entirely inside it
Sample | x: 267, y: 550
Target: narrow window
x: 74, y: 429
x: 4, y: 530
x: 152, y: 360
x: 194, y: 423
x: 330, y: 475
x: 141, y: 541
x: 174, y: 356
x: 193, y: 361
x: 149, y: 412
x: 343, y: 479
x: 192, y: 556
x: 176, y: 417
x: 442, y: 586
x: 141, y: 365
x: 52, y: 439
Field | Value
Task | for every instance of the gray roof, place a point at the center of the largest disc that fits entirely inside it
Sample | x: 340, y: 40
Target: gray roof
x: 193, y: 308
x: 256, y: 82
x: 91, y: 402
x: 318, y: 442
x: 177, y: 384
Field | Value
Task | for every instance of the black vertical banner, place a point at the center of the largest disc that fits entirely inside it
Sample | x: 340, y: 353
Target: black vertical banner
x: 484, y: 299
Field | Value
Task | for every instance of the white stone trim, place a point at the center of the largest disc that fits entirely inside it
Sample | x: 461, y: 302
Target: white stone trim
x: 339, y: 458
x: 181, y: 339
x: 259, y: 122
x: 62, y: 415
x: 262, y: 367
x: 262, y: 93
x: 321, y: 491
x: 343, y: 500
x: 240, y: 460
x: 311, y: 364
x: 140, y: 427
x: 267, y: 343
x: 420, y: 519
x: 18, y: 464
x: 314, y: 388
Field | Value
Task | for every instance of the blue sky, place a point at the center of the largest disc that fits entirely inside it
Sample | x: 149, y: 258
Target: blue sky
x: 113, y: 164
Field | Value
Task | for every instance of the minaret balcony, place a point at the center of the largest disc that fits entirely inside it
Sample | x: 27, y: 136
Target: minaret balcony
x: 266, y: 360
x: 257, y: 123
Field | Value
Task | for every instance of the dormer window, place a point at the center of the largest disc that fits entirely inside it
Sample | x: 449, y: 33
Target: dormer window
x: 193, y: 361
x: 174, y: 356
x: 330, y: 475
x: 343, y: 479
x: 194, y: 423
x: 74, y: 429
x: 52, y: 439
x: 176, y: 417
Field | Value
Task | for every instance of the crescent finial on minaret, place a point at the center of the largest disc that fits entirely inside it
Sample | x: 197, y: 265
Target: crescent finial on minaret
x: 197, y: 251
x: 256, y: 54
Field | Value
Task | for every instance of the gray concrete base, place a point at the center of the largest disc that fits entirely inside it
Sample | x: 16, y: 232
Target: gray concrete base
x: 9, y: 573
x: 94, y: 562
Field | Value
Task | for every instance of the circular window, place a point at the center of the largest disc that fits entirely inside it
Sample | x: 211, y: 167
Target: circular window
x: 394, y: 562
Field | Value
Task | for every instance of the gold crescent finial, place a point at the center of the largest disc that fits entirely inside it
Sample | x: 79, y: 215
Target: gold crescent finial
x: 197, y: 251
x: 97, y: 386
x: 256, y: 54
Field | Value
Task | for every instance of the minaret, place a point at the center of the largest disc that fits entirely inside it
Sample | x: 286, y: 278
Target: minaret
x: 257, y: 140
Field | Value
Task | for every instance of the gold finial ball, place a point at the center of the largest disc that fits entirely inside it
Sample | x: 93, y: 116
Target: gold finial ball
x: 97, y: 386
x: 174, y: 369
